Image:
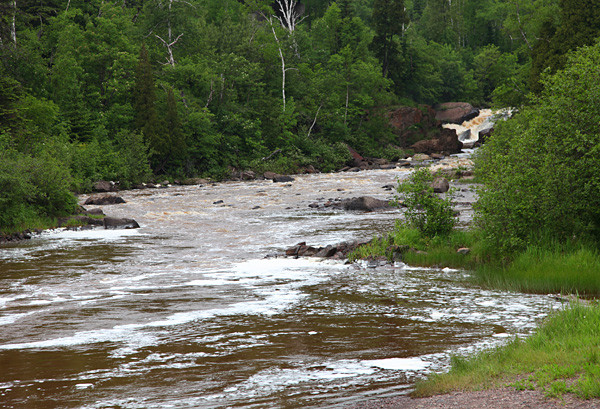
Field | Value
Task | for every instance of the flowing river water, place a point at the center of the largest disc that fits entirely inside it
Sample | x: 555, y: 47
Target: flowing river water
x: 186, y: 312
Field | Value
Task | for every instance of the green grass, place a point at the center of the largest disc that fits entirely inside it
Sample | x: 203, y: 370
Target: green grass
x: 543, y: 270
x: 418, y: 250
x: 563, y: 356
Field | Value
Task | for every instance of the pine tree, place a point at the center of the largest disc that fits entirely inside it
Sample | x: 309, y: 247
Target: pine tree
x: 146, y: 118
x: 389, y: 18
x: 175, y: 148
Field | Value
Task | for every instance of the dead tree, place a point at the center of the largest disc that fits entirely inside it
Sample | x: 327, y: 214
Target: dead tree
x: 169, y: 42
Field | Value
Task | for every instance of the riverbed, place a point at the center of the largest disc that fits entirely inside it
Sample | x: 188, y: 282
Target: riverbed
x: 198, y: 309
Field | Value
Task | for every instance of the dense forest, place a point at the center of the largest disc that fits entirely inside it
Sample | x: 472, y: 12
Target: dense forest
x: 133, y: 90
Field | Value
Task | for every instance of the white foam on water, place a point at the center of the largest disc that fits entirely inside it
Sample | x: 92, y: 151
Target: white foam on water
x: 12, y: 318
x: 92, y: 234
x: 116, y: 334
x: 209, y: 283
x: 399, y: 364
x: 274, y: 298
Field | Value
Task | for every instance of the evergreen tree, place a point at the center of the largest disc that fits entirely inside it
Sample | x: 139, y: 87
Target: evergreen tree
x: 389, y: 17
x: 579, y: 26
x: 174, y: 145
x: 146, y: 118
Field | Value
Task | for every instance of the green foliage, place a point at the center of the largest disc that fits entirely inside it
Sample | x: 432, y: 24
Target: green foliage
x: 389, y: 18
x: 540, y: 170
x: 548, y: 269
x: 32, y: 188
x: 426, y: 211
x: 579, y: 26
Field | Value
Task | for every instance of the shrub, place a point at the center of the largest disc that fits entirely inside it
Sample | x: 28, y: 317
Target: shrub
x: 540, y: 169
x: 426, y: 211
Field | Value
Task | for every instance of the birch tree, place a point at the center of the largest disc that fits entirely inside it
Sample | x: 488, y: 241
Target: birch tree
x: 170, y: 40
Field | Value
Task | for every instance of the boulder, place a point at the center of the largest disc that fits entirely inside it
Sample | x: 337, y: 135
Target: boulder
x: 440, y: 185
x: 194, y: 181
x: 404, y: 118
x: 447, y: 143
x: 420, y: 157
x: 104, y: 186
x: 464, y: 251
x: 247, y: 175
x: 104, y: 200
x: 411, y: 124
x: 95, y: 212
x: 484, y: 135
x: 328, y: 251
x: 282, y: 179
x: 357, y: 159
x: 270, y: 175
x: 120, y: 223
x: 364, y: 203
x: 455, y: 112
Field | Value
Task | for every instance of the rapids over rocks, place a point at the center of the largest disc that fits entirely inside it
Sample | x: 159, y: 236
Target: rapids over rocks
x: 186, y: 312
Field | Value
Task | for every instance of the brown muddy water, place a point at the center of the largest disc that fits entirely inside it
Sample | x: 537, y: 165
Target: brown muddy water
x: 187, y: 312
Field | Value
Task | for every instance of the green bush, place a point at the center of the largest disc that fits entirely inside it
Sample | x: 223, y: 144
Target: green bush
x: 426, y: 211
x: 540, y: 170
x: 32, y: 189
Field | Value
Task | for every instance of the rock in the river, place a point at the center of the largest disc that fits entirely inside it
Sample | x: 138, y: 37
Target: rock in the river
x: 455, y: 112
x: 365, y: 203
x: 420, y: 157
x: 328, y: 251
x: 440, y: 185
x: 282, y: 179
x: 270, y: 175
x: 104, y: 200
x: 484, y: 135
x: 247, y: 175
x: 120, y: 223
x: 105, y: 186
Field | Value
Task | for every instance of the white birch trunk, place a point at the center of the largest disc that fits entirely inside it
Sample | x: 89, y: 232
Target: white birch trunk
x: 13, y: 27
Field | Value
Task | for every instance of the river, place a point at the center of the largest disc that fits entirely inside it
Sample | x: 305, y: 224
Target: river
x: 188, y: 312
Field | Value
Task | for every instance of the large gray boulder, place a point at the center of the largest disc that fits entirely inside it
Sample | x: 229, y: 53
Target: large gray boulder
x: 104, y: 200
x: 120, y: 223
x: 440, y: 185
x: 365, y: 203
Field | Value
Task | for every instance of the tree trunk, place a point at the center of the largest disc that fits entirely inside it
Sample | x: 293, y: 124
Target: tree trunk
x: 13, y: 27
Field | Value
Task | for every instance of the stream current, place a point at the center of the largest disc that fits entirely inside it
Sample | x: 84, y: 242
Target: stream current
x: 186, y: 312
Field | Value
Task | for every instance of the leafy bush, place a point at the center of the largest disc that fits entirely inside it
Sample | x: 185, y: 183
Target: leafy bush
x: 540, y: 169
x: 32, y: 189
x: 427, y: 212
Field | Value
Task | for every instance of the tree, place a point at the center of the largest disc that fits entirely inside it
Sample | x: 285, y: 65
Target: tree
x: 389, y: 18
x: 540, y: 169
x: 579, y: 26
x: 144, y: 94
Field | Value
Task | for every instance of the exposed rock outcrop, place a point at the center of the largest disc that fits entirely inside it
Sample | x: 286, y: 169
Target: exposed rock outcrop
x: 455, y: 112
x: 104, y: 200
x: 446, y: 142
